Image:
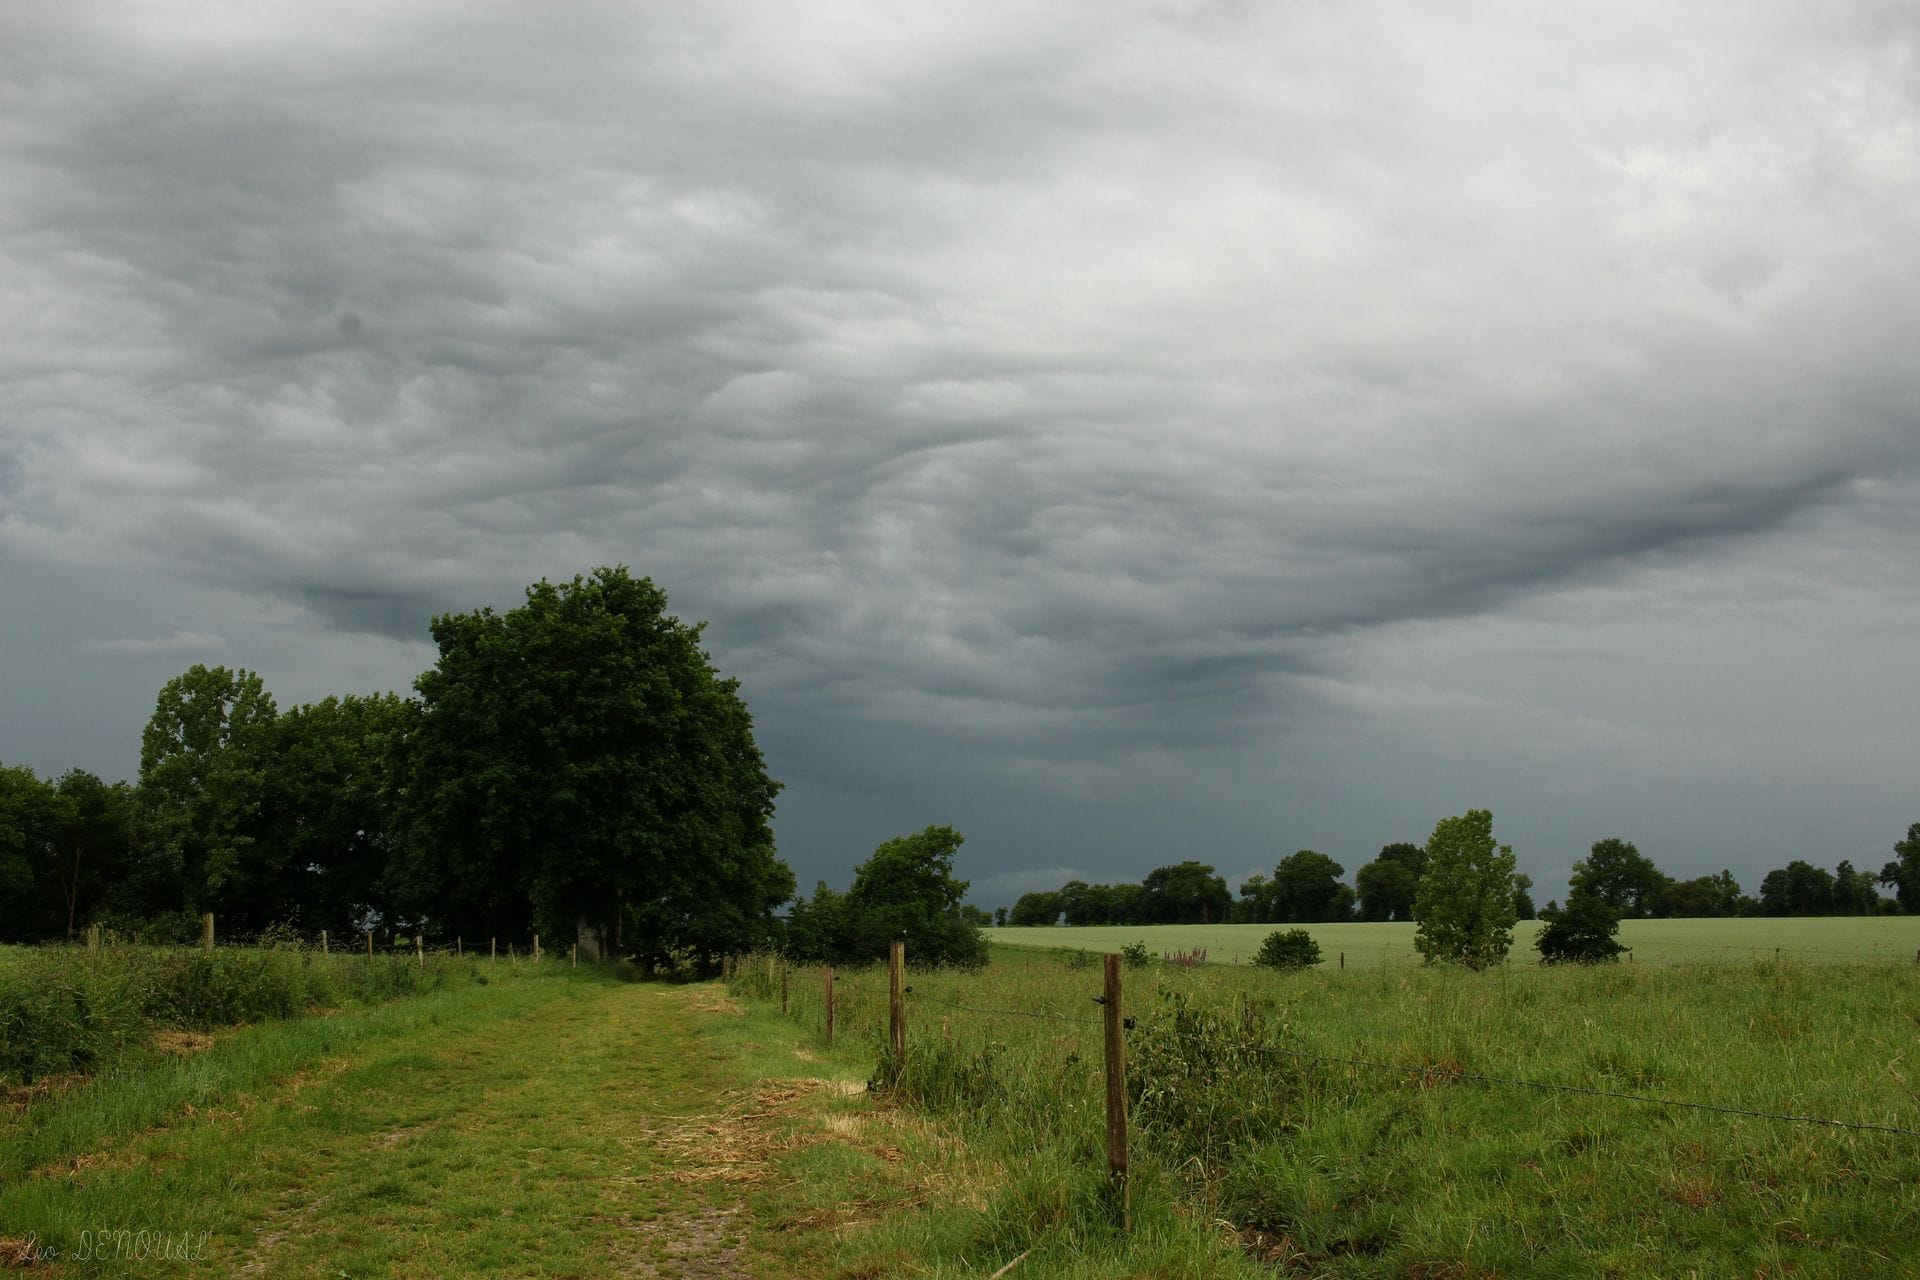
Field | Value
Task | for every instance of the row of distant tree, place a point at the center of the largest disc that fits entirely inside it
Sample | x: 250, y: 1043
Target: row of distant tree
x: 575, y: 760
x: 1307, y: 888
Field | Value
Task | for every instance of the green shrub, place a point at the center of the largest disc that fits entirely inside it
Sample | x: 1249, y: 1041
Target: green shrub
x: 1136, y: 955
x: 1288, y: 949
x: 1581, y: 932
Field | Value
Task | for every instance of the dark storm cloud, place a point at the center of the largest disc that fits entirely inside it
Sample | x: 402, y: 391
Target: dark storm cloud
x: 1032, y: 395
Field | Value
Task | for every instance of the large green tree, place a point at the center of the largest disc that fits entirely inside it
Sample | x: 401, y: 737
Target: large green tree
x: 906, y: 892
x: 203, y: 762
x: 1854, y: 892
x: 93, y: 850
x: 1464, y: 912
x: 65, y: 848
x: 1387, y: 888
x: 1040, y: 907
x: 1621, y: 876
x: 1703, y: 896
x: 579, y: 759
x: 1083, y: 903
x: 328, y: 804
x: 1306, y: 889
x: 1797, y: 889
x: 1186, y: 893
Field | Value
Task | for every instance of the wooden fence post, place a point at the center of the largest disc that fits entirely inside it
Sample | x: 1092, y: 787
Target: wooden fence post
x: 783, y: 988
x: 1117, y: 1094
x: 206, y: 931
x: 493, y: 950
x: 458, y: 948
x: 420, y: 952
x: 897, y: 1007
x: 536, y: 946
x: 369, y: 944
x: 1343, y: 962
x: 829, y: 1006
x: 573, y: 955
x: 323, y: 942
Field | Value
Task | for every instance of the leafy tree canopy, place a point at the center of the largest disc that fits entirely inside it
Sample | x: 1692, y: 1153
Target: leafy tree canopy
x: 203, y: 764
x: 1411, y: 856
x: 1702, y: 897
x: 1464, y: 911
x: 1797, y: 889
x: 1039, y: 908
x: 1186, y: 893
x: 907, y: 892
x: 1623, y: 877
x: 1387, y: 888
x: 1306, y: 889
x: 1582, y: 933
x: 579, y: 759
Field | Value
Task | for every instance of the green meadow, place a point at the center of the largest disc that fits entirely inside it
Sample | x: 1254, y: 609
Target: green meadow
x: 1645, y: 1120
x: 1392, y: 1120
x: 1820, y: 940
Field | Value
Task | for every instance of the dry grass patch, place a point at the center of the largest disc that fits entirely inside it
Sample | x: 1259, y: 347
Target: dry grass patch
x: 75, y: 1166
x: 713, y: 1000
x: 19, y: 1097
x: 179, y: 1043
x: 18, y: 1252
x: 698, y: 1244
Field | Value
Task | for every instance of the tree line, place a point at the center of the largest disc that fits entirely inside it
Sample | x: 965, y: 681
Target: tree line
x: 1307, y: 888
x: 575, y: 763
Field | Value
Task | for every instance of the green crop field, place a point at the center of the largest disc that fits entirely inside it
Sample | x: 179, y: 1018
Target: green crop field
x: 1826, y: 940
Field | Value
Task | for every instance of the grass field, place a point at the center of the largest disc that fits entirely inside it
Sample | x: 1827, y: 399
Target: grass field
x: 1319, y: 1123
x: 560, y: 1124
x: 563, y: 1123
x: 1826, y: 940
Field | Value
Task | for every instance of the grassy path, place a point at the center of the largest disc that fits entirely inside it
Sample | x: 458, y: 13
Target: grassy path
x: 590, y: 1130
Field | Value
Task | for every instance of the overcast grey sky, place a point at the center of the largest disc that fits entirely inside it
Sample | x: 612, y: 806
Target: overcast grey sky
x: 1124, y: 432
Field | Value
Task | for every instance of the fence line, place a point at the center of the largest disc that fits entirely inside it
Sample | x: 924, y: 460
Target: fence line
x: 1439, y: 1073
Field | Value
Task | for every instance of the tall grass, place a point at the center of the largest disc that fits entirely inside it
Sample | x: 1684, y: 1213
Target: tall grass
x: 1267, y: 1104
x: 66, y: 1009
